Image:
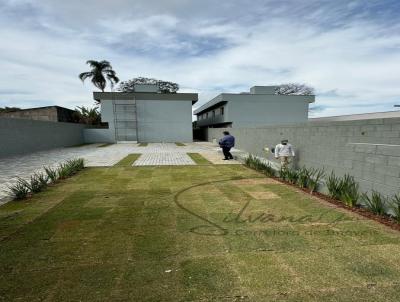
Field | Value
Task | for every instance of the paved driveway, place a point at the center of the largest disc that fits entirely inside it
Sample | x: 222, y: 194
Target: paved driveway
x: 154, y: 154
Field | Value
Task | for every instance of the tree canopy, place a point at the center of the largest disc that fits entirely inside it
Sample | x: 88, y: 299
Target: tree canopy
x: 164, y: 86
x: 294, y: 89
x: 86, y: 115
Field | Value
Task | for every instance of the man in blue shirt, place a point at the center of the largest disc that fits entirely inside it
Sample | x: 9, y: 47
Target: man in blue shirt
x: 226, y: 143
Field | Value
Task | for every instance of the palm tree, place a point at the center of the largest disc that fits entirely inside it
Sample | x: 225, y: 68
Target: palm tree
x: 100, y: 71
x: 86, y: 115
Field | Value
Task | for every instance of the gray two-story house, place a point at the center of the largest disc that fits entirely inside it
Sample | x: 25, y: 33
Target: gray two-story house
x: 146, y: 115
x: 259, y: 107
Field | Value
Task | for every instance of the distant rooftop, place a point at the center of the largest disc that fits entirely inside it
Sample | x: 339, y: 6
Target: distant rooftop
x: 47, y: 113
x: 353, y: 117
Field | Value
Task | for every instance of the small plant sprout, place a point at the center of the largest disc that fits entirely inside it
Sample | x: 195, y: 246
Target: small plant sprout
x: 51, y: 174
x: 376, y: 203
x: 20, y: 189
x: 255, y: 163
x: 395, y: 206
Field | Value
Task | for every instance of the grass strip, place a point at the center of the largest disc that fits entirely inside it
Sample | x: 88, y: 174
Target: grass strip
x: 128, y: 160
x: 105, y: 145
x: 79, y: 145
x: 143, y: 144
x: 180, y: 144
x: 199, y: 159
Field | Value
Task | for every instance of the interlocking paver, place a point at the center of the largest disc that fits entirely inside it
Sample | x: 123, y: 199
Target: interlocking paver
x: 154, y: 154
x: 160, y: 159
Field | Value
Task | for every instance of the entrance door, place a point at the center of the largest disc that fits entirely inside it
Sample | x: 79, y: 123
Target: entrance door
x: 125, y: 120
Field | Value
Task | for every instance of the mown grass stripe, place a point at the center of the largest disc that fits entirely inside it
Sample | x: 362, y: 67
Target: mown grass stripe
x: 105, y: 145
x: 128, y: 160
x: 199, y: 159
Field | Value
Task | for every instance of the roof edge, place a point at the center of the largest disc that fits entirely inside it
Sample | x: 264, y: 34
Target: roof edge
x: 99, y: 96
x: 210, y: 103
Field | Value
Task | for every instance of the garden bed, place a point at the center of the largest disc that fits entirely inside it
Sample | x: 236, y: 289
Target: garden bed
x: 386, y: 220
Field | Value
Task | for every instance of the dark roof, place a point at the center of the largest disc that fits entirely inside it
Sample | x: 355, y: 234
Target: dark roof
x: 99, y: 96
x: 44, y: 107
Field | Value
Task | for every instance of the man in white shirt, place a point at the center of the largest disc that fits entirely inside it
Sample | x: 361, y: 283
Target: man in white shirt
x: 284, y: 151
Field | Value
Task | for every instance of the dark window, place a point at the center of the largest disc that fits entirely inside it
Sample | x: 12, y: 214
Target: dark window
x: 213, y: 113
x: 222, y: 110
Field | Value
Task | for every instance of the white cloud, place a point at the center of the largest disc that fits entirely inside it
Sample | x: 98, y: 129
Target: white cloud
x: 201, y: 49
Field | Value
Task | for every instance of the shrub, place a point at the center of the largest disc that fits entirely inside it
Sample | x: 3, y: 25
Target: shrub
x: 292, y: 176
x: 70, y: 168
x: 51, y: 174
x: 268, y: 170
x: 77, y: 164
x: 283, y: 174
x: 256, y: 164
x: 395, y: 206
x: 289, y: 175
x: 310, y: 178
x: 349, y: 191
x: 376, y: 203
x: 20, y: 190
x: 37, y: 183
x: 303, y: 177
x: 344, y: 189
x: 315, y: 177
x: 63, y: 171
x: 333, y: 183
x: 43, y: 178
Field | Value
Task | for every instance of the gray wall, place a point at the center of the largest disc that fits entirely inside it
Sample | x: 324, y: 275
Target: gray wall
x: 367, y: 149
x: 107, y: 115
x: 18, y: 136
x: 158, y: 120
x: 164, y: 121
x: 256, y: 110
x: 261, y: 110
x: 98, y: 136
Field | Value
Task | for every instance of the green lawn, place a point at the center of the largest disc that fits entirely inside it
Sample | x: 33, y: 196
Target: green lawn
x: 199, y: 159
x: 128, y: 160
x: 105, y: 145
x: 190, y: 233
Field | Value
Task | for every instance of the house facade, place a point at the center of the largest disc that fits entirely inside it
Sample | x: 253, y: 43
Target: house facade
x: 259, y: 107
x: 145, y: 115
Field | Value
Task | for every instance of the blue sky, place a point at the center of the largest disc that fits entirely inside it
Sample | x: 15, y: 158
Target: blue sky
x: 348, y: 50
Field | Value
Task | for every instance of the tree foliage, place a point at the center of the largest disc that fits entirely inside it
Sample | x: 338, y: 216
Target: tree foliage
x: 99, y: 74
x: 164, y: 86
x: 294, y: 89
x: 86, y: 115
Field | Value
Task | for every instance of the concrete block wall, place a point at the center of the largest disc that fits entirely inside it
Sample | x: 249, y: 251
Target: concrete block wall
x: 367, y: 149
x: 18, y: 136
x: 93, y: 135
